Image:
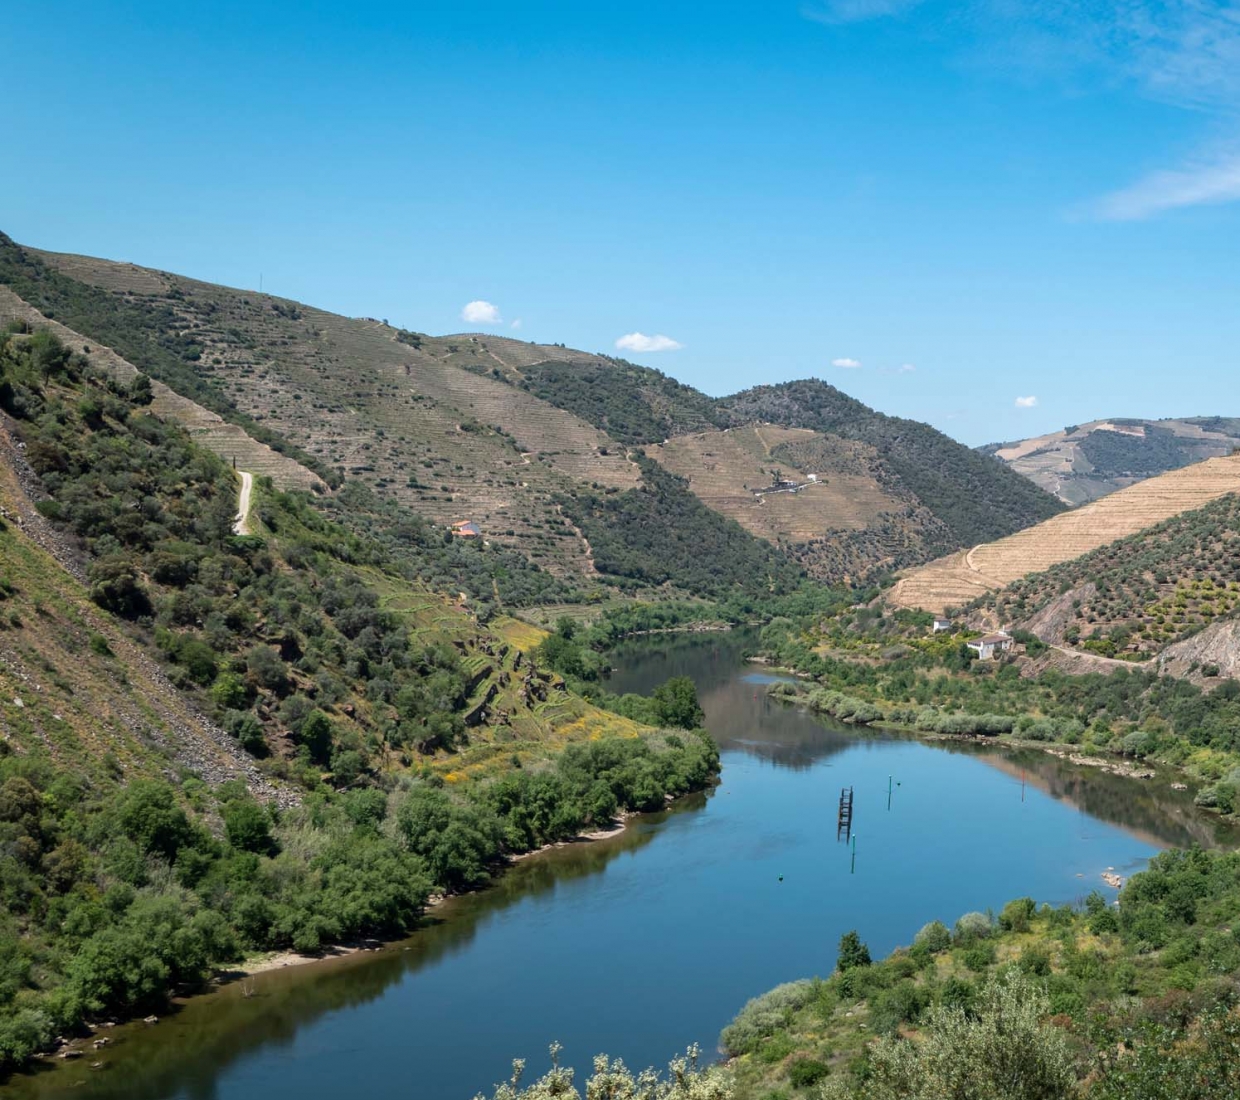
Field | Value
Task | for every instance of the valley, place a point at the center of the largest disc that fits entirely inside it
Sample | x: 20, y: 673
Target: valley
x: 316, y: 618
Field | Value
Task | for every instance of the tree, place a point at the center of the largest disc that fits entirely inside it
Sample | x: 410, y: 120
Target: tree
x: 852, y: 952
x: 247, y: 826
x: 676, y: 703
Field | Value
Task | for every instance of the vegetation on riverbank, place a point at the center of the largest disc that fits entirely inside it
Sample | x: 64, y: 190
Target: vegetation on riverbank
x: 1132, y: 1002
x: 117, y: 893
x: 935, y: 686
x: 407, y: 750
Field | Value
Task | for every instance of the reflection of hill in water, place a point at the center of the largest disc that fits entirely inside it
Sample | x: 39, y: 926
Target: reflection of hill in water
x: 739, y: 714
x: 1147, y: 808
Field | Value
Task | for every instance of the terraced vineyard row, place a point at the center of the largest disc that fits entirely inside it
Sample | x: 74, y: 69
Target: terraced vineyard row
x: 965, y: 576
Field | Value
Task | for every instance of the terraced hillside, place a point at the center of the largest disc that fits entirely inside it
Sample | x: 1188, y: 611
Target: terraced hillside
x: 394, y: 409
x: 503, y: 433
x: 969, y: 575
x: 1135, y: 597
x: 842, y: 522
x: 229, y: 441
x: 973, y: 496
x: 1085, y: 461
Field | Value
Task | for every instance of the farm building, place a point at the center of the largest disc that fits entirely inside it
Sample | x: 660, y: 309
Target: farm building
x: 466, y: 529
x: 989, y: 645
x: 941, y: 626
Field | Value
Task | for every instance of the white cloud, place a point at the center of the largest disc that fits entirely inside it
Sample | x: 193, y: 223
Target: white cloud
x: 855, y: 11
x: 516, y: 323
x: 846, y: 364
x: 479, y: 312
x: 906, y: 368
x: 1195, y: 184
x: 639, y: 341
x: 1026, y: 402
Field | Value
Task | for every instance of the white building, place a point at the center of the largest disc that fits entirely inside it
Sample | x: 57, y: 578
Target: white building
x: 989, y: 646
x: 941, y: 626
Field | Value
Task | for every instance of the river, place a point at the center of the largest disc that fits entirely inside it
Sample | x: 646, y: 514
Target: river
x: 644, y: 943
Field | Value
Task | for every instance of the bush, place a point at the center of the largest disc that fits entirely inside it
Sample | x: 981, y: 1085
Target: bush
x: 852, y: 952
x: 806, y: 1072
x: 972, y: 927
x: 933, y: 937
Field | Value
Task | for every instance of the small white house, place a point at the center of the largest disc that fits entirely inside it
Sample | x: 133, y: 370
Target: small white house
x: 990, y: 646
x: 941, y: 626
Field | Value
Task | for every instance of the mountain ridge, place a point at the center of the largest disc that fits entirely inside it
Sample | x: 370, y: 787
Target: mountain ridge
x: 1083, y: 462
x: 506, y: 434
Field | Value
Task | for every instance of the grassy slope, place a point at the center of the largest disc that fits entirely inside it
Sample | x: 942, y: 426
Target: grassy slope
x: 977, y: 498
x: 77, y: 690
x: 960, y: 579
x: 1166, y: 957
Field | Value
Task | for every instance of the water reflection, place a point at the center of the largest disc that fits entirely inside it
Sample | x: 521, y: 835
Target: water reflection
x: 650, y: 940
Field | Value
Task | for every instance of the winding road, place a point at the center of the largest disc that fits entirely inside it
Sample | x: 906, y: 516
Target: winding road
x: 241, y: 524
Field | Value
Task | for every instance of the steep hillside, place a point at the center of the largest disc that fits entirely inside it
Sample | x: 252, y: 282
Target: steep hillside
x: 1135, y: 597
x: 1086, y: 461
x: 844, y: 520
x: 75, y: 689
x: 970, y: 575
x: 171, y: 692
x: 505, y: 434
x: 975, y: 497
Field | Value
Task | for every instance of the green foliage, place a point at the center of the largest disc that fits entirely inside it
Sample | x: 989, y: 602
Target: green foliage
x: 660, y: 533
x: 851, y: 953
x: 977, y: 497
x: 1004, y: 1049
x: 632, y: 404
x: 1140, y: 594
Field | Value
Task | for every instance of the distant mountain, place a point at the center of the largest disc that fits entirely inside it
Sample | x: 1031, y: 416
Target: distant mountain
x: 1086, y: 461
x: 598, y: 473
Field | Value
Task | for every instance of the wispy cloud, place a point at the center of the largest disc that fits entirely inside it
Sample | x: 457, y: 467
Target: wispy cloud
x: 1195, y: 184
x: 516, y: 323
x: 479, y: 312
x: 906, y: 368
x: 854, y: 11
x: 1182, y: 52
x: 640, y: 342
x: 846, y: 364
x: 1026, y: 402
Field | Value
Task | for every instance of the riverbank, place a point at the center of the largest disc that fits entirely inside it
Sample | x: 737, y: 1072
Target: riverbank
x: 1116, y: 765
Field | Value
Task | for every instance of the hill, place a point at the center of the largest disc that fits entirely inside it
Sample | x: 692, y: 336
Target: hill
x: 1086, y: 461
x: 214, y: 744
x: 539, y: 446
x: 1135, y: 597
x: 961, y: 578
x: 973, y: 496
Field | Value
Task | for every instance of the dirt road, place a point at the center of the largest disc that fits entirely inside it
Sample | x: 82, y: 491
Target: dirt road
x: 241, y: 524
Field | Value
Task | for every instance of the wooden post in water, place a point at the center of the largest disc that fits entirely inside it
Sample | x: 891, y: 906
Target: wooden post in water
x: 852, y: 870
x: 889, y: 794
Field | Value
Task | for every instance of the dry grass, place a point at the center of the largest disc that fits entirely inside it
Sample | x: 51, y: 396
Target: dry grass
x: 964, y: 576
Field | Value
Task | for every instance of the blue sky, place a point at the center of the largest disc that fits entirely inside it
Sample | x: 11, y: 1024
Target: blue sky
x: 1016, y: 200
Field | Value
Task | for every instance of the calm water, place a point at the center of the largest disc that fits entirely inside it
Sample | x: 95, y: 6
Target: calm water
x: 650, y: 941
